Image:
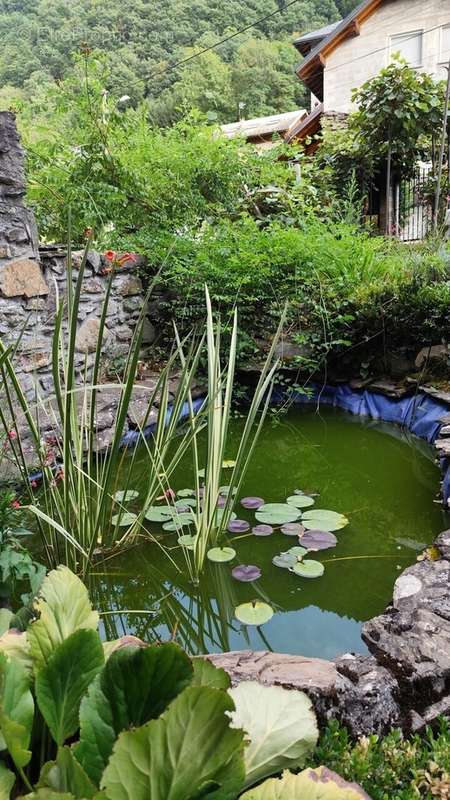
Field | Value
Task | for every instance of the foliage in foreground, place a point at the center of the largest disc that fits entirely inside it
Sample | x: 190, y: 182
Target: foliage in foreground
x: 82, y: 720
x: 392, y: 766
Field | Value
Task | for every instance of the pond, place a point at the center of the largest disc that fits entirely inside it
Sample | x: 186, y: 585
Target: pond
x: 383, y: 480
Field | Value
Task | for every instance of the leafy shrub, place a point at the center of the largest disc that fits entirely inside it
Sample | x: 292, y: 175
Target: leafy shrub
x: 141, y: 723
x: 394, y: 766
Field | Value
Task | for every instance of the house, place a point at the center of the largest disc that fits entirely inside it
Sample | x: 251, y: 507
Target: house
x: 262, y: 131
x: 344, y: 55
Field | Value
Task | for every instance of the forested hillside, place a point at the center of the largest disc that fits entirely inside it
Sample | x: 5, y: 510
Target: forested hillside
x: 142, y: 39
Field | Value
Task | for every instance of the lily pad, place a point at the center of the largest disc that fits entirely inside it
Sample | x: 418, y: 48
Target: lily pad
x: 186, y: 501
x: 219, y: 515
x: 277, y: 513
x: 262, y: 530
x: 185, y: 493
x: 226, y: 490
x: 187, y: 541
x: 124, y: 497
x: 285, y: 560
x: 298, y: 551
x: 252, y: 502
x: 300, y: 500
x: 309, y: 568
x: 324, y: 520
x: 246, y: 572
x: 221, y: 554
x: 124, y: 519
x: 158, y: 513
x: 238, y: 526
x: 178, y: 521
x: 256, y: 613
x: 318, y: 540
x: 292, y: 529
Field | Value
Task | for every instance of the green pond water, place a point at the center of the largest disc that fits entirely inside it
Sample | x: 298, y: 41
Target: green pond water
x: 384, y: 481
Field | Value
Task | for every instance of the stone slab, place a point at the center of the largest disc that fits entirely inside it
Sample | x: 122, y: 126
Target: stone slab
x: 22, y: 277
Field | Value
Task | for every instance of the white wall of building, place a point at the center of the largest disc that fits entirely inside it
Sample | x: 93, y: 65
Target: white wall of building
x: 361, y: 57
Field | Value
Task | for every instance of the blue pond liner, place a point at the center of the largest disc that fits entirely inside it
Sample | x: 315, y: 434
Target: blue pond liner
x: 420, y: 413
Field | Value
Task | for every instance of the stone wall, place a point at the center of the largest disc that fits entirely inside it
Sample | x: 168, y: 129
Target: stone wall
x: 32, y: 280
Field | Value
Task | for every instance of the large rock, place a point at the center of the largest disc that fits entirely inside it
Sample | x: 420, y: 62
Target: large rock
x: 87, y: 336
x: 22, y: 277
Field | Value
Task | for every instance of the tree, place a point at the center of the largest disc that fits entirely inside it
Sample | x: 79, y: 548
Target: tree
x: 399, y: 115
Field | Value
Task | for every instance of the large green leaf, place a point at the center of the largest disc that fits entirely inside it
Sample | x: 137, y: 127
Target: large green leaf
x: 311, y: 784
x: 280, y: 724
x: 65, y: 774
x: 64, y: 680
x: 63, y: 606
x: 206, y: 674
x: 190, y: 752
x: 135, y: 686
x: 7, y: 780
x: 15, y: 644
x: 16, y: 710
x: 6, y: 616
x: 48, y: 794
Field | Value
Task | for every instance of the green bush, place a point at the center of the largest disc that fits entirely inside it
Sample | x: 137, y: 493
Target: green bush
x: 404, y: 768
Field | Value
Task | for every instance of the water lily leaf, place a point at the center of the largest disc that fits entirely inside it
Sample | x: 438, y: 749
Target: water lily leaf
x: 190, y: 751
x: 318, y: 540
x: 321, y: 519
x: 225, y: 490
x: 187, y: 541
x: 297, y: 551
x: 158, y: 513
x: 311, y: 784
x: 221, y: 554
x: 309, y: 568
x: 277, y: 513
x: 280, y: 725
x: 246, y: 572
x: 179, y: 521
x: 292, y: 529
x: 252, y: 502
x: 238, y: 526
x: 188, y: 502
x: 284, y: 560
x: 124, y: 497
x: 124, y: 520
x: 300, y: 501
x: 186, y: 493
x: 255, y: 613
x: 220, y: 513
x: 262, y: 530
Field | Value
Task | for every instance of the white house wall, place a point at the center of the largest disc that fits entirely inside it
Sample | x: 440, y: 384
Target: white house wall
x: 361, y: 57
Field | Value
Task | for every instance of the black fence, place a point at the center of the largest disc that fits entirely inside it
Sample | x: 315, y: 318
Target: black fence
x: 413, y: 206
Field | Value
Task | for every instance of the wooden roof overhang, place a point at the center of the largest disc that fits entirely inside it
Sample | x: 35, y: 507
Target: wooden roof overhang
x: 311, y: 69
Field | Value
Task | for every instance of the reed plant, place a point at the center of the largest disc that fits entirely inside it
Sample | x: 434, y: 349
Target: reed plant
x: 79, y: 502
x: 78, y: 518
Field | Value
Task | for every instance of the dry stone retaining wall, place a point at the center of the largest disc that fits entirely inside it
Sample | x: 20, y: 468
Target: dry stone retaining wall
x: 32, y: 279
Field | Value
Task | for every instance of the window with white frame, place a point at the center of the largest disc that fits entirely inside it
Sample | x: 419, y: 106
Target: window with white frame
x: 445, y: 43
x: 409, y: 45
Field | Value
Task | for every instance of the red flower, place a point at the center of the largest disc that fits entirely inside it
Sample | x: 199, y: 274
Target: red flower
x: 15, y: 504
x: 110, y: 255
x: 12, y: 435
x: 126, y: 257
